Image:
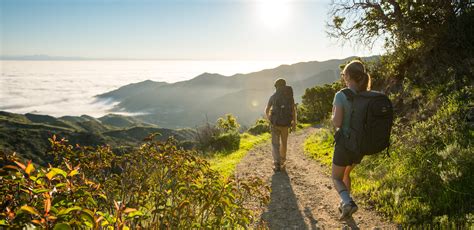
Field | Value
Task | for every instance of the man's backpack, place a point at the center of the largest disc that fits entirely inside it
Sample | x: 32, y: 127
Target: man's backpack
x: 282, y: 107
x: 371, y: 122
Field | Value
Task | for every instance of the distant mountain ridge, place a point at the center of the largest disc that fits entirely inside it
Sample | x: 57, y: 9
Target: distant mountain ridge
x: 41, y: 57
x: 165, y: 108
x: 209, y: 96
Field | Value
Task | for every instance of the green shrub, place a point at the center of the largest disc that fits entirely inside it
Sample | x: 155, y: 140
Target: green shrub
x: 154, y: 186
x: 223, y: 136
x: 261, y: 126
x: 205, y: 135
x: 227, y: 141
x: 435, y: 155
x: 56, y: 197
x: 228, y: 123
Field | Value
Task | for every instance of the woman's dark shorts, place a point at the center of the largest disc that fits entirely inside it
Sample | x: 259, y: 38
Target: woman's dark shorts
x: 342, y: 156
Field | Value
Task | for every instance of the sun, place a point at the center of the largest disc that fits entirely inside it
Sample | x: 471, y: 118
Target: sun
x: 273, y: 13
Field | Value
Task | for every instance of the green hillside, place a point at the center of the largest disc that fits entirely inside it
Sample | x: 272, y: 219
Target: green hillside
x: 28, y: 134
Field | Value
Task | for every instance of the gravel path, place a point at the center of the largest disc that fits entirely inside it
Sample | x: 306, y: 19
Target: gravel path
x: 303, y: 197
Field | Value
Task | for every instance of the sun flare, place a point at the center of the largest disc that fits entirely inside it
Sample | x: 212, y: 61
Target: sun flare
x: 273, y: 13
x: 254, y: 103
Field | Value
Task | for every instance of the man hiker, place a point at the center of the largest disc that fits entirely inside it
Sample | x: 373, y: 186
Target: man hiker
x: 281, y: 113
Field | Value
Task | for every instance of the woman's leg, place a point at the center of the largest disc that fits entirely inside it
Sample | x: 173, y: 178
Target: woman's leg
x: 337, y: 177
x: 341, y: 179
x: 340, y: 161
x: 347, y: 178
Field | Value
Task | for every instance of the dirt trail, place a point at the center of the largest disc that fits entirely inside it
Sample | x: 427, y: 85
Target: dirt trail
x: 303, y: 197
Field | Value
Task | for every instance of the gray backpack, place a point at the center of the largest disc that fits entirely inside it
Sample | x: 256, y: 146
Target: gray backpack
x: 371, y: 122
x: 282, y: 108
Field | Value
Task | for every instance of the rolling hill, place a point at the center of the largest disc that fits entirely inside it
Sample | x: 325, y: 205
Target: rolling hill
x: 28, y: 134
x: 209, y: 96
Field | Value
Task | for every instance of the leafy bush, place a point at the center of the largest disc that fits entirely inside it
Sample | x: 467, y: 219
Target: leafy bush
x: 261, y: 126
x: 228, y: 123
x: 56, y: 197
x: 227, y: 141
x: 431, y: 170
x: 204, y: 136
x: 223, y: 136
x: 155, y: 186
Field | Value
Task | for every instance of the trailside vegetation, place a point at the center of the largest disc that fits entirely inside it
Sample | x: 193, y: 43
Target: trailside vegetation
x: 317, y: 102
x: 428, y: 176
x: 223, y: 136
x: 428, y: 74
x: 261, y: 126
x: 156, y: 186
x: 320, y: 146
x: 222, y: 144
x: 225, y: 162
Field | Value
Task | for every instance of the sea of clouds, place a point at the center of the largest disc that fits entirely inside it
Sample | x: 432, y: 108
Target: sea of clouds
x: 60, y: 88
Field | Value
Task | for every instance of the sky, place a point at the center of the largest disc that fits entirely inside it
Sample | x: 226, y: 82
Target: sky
x: 175, y: 29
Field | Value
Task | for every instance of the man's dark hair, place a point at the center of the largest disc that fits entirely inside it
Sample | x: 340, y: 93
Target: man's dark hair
x: 280, y: 82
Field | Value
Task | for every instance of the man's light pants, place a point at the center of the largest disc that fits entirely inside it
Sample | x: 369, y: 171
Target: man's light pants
x: 279, y: 144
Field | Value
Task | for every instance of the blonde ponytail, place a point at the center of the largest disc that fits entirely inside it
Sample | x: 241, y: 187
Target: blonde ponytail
x: 366, y: 83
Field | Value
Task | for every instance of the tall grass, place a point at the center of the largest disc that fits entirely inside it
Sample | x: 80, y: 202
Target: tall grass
x: 320, y: 146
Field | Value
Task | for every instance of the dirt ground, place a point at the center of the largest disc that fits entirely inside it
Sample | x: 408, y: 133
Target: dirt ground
x: 304, y: 196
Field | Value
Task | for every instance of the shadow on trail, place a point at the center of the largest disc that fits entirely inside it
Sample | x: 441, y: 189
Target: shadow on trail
x: 283, y: 211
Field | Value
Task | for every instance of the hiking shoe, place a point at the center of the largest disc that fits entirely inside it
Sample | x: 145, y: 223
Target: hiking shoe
x: 276, y: 168
x: 347, y: 210
x: 354, y: 207
x: 340, y: 206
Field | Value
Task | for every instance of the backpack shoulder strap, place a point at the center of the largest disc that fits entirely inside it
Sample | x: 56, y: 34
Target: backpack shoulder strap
x: 349, y: 94
x: 273, y: 99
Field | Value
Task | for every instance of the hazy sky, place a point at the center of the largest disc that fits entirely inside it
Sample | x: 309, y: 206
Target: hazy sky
x: 151, y: 29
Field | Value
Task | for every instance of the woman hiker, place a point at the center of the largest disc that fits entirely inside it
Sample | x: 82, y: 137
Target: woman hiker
x: 356, y: 79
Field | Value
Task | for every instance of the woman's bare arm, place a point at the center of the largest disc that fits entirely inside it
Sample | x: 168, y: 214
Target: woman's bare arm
x: 337, y: 116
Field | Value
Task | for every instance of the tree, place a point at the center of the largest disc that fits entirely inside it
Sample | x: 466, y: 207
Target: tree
x: 404, y: 21
x: 431, y: 42
x: 317, y: 102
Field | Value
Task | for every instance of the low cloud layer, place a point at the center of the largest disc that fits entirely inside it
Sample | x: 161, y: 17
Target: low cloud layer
x: 61, y: 88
